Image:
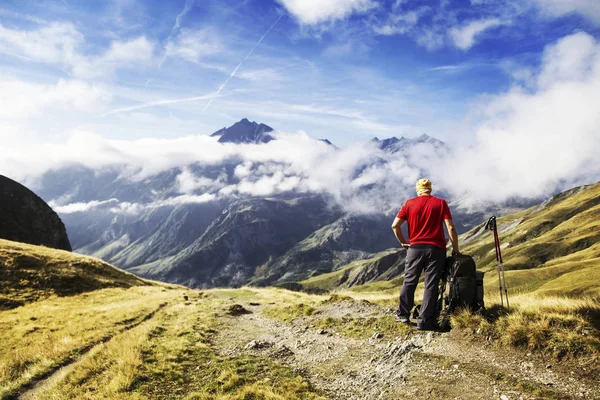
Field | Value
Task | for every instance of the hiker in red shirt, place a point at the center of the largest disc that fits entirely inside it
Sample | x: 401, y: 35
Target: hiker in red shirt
x: 426, y: 250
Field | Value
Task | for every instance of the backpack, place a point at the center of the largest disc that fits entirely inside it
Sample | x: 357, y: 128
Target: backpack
x: 465, y: 288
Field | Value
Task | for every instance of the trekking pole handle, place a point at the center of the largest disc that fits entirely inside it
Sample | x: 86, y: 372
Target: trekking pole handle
x: 490, y: 225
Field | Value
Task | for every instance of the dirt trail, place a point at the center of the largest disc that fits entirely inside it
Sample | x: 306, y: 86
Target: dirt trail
x: 37, y: 386
x: 419, y: 366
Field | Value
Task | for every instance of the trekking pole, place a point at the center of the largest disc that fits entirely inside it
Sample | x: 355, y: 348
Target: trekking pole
x: 492, y: 226
x: 501, y: 264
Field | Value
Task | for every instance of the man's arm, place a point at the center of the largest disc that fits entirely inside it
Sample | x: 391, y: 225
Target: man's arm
x: 453, y: 235
x: 397, y: 228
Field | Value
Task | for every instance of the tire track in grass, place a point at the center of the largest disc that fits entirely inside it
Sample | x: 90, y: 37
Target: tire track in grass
x: 37, y: 383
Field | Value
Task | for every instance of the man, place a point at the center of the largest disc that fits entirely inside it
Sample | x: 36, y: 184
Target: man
x: 426, y: 250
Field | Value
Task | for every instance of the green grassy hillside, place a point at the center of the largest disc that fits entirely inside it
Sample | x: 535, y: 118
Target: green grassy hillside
x: 383, y: 268
x: 29, y: 273
x: 553, y: 248
x: 550, y: 249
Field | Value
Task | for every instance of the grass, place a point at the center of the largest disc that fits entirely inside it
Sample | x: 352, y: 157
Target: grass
x: 338, y: 279
x: 29, y: 273
x: 564, y: 229
x: 289, y: 313
x: 168, y: 356
x: 557, y: 326
x: 40, y: 336
x: 363, y: 328
x: 179, y: 362
x: 100, y: 333
x: 171, y: 356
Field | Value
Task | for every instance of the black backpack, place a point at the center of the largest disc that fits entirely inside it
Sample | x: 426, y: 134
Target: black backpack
x: 465, y: 288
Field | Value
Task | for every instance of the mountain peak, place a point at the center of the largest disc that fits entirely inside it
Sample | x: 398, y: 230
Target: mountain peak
x: 394, y: 144
x: 245, y: 131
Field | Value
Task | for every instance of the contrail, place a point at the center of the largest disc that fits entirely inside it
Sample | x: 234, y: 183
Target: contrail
x: 241, y: 62
x: 188, y: 6
x: 155, y: 103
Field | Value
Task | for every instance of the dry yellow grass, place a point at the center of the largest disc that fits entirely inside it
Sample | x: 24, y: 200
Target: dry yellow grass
x: 41, y: 335
x: 168, y: 356
x: 30, y: 273
x: 559, y: 326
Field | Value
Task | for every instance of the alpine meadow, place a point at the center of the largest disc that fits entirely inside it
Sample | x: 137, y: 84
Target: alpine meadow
x: 300, y: 199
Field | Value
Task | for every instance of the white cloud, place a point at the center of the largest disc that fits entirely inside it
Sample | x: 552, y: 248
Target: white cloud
x: 120, y: 54
x: 53, y: 43
x: 262, y: 75
x: 193, y: 45
x: 430, y: 38
x: 572, y: 59
x: 464, y: 37
x: 81, y: 207
x: 529, y: 142
x: 399, y: 23
x: 312, y: 12
x: 536, y: 140
x: 188, y: 183
x: 130, y: 208
x: 589, y: 9
x: 61, y: 44
x: 186, y: 8
x: 23, y: 100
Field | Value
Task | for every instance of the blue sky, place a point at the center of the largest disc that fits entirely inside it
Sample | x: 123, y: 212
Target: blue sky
x: 347, y: 70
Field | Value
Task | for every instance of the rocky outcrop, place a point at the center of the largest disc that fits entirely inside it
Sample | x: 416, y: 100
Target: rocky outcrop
x: 26, y: 218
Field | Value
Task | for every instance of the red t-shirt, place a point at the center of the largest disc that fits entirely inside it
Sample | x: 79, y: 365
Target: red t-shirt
x: 425, y: 216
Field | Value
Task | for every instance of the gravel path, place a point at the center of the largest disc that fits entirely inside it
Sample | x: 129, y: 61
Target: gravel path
x: 417, y: 366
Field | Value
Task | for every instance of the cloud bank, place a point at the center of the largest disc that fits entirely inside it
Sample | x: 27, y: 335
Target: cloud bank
x: 538, y: 136
x: 541, y: 135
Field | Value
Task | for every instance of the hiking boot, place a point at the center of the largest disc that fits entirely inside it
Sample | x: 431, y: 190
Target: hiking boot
x: 403, y: 318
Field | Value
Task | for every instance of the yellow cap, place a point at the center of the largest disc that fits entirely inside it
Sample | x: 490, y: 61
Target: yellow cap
x: 423, y: 186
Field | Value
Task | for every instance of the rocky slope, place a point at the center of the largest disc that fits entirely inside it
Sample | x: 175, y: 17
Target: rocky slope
x: 237, y: 243
x: 27, y: 218
x: 351, y: 237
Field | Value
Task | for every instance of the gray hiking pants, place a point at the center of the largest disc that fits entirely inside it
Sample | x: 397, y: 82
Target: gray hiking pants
x: 418, y: 258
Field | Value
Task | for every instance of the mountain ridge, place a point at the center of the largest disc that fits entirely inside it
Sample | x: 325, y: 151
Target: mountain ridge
x: 154, y: 226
